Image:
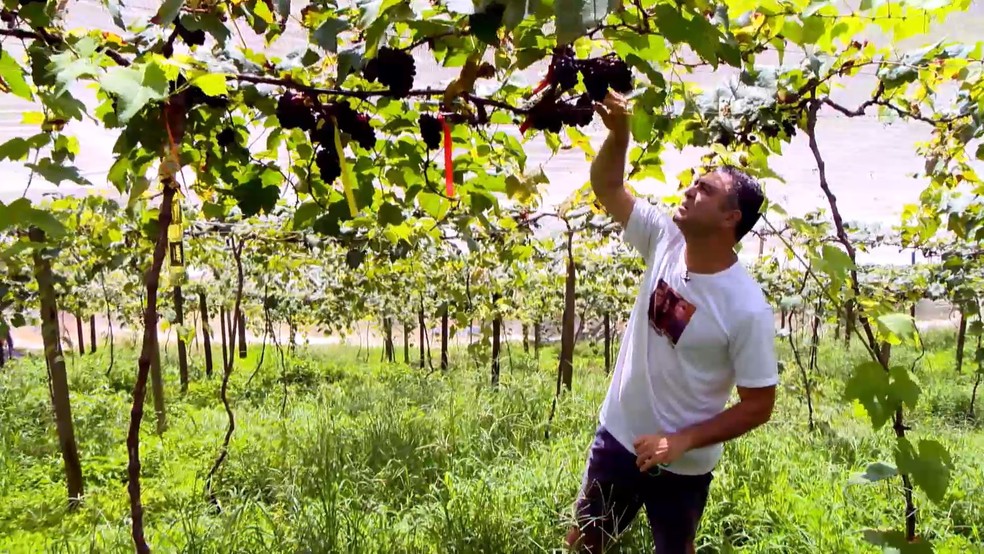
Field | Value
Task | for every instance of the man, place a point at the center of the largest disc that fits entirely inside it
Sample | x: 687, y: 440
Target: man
x: 663, y: 423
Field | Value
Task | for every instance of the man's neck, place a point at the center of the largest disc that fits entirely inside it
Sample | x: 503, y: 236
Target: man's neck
x: 708, y: 255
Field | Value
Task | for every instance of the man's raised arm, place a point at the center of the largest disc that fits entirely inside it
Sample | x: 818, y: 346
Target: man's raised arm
x: 608, y: 167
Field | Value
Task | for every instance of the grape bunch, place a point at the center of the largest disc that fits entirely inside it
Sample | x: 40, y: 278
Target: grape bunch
x: 431, y: 130
x: 551, y: 113
x: 393, y: 68
x: 226, y: 137
x: 327, y: 161
x: 564, y: 67
x: 354, y: 124
x: 607, y: 72
x: 294, y: 112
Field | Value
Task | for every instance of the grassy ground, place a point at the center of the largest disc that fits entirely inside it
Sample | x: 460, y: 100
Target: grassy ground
x: 365, y: 457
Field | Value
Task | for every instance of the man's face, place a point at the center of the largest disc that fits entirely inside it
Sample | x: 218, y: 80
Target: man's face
x: 708, y: 207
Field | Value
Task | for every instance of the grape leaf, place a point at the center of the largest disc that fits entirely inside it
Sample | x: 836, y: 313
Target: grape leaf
x: 903, y: 389
x: 930, y: 467
x: 253, y: 197
x: 350, y: 60
x: 868, y: 385
x: 283, y: 8
x: 895, y: 541
x: 12, y: 77
x: 390, y: 214
x: 212, y: 84
x: 875, y: 472
x: 899, y: 324
x: 327, y: 34
x: 114, y: 10
x: 17, y: 148
x: 135, y: 87
x: 55, y: 173
x: 575, y: 17
x: 305, y: 214
x: 20, y: 213
x: 167, y: 12
x: 485, y: 25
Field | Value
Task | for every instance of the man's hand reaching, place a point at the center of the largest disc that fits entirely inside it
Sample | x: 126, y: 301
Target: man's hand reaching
x: 608, y: 167
x: 614, y: 112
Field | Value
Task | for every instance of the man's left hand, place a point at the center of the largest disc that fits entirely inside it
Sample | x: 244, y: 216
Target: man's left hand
x: 660, y: 449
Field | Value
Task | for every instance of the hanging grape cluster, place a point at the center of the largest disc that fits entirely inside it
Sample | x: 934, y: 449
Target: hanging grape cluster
x: 393, y: 68
x: 430, y: 130
x: 599, y: 75
x: 552, y: 113
x: 300, y: 111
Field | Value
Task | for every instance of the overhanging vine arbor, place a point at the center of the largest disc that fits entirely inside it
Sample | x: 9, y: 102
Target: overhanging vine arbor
x: 351, y: 137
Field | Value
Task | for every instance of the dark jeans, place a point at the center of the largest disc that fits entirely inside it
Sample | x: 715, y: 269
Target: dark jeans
x: 613, y: 490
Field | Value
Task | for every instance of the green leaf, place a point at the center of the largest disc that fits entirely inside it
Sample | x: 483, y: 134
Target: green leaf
x: 875, y: 472
x: 305, y: 214
x: 212, y: 84
x: 212, y: 210
x: 17, y: 148
x: 283, y: 8
x: 350, y: 60
x: 140, y: 185
x: 55, y: 173
x: 167, y: 12
x: 114, y: 10
x: 641, y: 123
x: 836, y: 262
x: 868, y: 385
x: 930, y: 466
x: 21, y: 214
x: 898, y: 324
x: 575, y: 17
x: 895, y: 541
x: 12, y: 77
x: 254, y: 197
x: 435, y: 205
x: 390, y: 214
x: 485, y: 25
x: 68, y: 68
x: 327, y: 34
x: 135, y: 87
x: 262, y: 10
x: 903, y: 389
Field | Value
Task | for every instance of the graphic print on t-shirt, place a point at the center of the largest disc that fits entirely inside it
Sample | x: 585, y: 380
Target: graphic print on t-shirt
x: 669, y: 313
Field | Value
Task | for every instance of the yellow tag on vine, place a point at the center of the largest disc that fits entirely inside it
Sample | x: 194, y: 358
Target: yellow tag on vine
x: 346, y: 170
x: 174, y: 233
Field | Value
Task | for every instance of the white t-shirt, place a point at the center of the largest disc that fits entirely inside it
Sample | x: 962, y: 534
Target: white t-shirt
x: 687, y: 344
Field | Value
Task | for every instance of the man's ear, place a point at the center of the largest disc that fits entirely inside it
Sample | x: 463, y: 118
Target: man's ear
x: 732, y: 218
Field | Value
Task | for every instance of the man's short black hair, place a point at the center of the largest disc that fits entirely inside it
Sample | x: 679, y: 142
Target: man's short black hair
x: 747, y: 195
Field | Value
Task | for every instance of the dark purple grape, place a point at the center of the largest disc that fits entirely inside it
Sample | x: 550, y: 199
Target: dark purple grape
x: 327, y: 161
x: 293, y: 113
x: 323, y: 133
x: 393, y: 68
x: 431, y: 131
x: 226, y: 137
x: 355, y: 124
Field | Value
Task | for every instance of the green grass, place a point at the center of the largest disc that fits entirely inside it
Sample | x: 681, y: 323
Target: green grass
x: 367, y: 457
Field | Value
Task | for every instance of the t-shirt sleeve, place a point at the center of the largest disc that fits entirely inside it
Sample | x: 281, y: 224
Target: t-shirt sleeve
x: 753, y: 350
x: 645, y: 227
